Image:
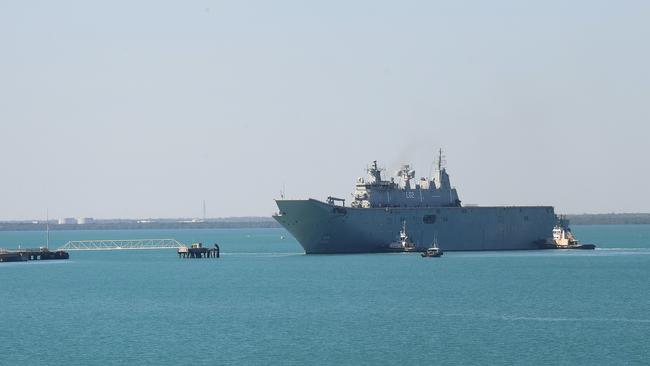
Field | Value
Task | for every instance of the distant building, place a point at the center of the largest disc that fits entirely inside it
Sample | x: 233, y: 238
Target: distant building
x: 67, y: 221
x: 85, y: 220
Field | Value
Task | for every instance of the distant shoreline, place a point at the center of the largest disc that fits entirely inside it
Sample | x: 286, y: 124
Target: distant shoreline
x: 153, y: 224
x: 610, y: 219
x: 265, y: 222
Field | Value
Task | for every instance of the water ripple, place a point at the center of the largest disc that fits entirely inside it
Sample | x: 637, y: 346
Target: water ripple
x: 544, y: 319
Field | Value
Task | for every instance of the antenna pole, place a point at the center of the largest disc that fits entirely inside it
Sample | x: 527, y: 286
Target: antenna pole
x: 203, y: 210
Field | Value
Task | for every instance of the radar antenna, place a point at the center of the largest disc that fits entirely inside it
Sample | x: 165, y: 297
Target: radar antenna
x: 374, y: 172
x: 406, y: 173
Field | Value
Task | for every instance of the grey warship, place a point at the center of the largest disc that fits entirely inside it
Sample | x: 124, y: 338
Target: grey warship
x: 429, y: 207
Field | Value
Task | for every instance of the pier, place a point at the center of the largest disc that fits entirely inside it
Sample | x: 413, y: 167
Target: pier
x: 197, y: 250
x: 122, y: 244
x: 31, y: 254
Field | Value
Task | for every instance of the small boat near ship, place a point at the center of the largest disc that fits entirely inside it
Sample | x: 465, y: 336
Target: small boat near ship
x: 433, y: 251
x: 404, y: 244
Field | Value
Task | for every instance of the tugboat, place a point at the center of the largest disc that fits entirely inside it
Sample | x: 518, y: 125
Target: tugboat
x: 404, y: 244
x: 432, y: 251
x: 563, y: 239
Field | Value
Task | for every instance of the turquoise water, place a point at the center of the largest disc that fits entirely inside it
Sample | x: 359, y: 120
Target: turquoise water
x: 264, y: 302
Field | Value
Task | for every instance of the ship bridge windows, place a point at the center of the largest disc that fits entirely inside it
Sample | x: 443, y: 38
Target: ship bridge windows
x: 429, y: 219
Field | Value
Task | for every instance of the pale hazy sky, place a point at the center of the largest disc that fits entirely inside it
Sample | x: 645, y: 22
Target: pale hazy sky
x: 146, y: 108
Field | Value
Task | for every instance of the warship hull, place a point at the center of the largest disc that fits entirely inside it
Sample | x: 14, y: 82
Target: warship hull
x: 327, y: 228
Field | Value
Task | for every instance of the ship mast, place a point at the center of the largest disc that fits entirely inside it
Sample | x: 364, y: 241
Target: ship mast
x: 440, y: 164
x: 440, y: 159
x: 47, y: 228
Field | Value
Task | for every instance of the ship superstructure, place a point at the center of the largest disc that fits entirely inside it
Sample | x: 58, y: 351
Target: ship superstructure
x: 374, y: 192
x: 430, y: 207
